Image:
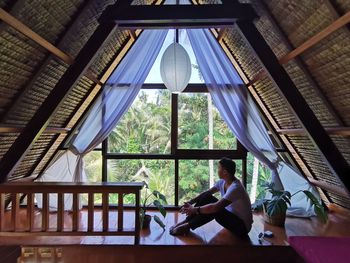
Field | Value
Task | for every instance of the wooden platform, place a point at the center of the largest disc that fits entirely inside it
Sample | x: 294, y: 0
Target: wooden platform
x: 211, y: 233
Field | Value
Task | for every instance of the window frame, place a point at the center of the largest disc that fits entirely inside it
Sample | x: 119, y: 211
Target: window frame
x: 177, y: 154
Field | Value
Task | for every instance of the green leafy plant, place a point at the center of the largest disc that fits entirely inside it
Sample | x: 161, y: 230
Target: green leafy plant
x: 280, y: 200
x: 154, y: 198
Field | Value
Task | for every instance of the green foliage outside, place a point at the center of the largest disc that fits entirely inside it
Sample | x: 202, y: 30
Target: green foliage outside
x: 193, y: 125
x: 146, y: 128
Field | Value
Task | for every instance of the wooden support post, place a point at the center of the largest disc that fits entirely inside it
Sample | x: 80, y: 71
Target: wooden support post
x: 120, y: 212
x: 30, y: 211
x: 60, y: 212
x: 296, y: 102
x: 91, y: 212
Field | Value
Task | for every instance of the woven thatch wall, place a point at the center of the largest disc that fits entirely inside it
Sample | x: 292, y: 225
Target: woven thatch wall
x: 32, y: 72
x: 322, y: 70
x: 21, y: 59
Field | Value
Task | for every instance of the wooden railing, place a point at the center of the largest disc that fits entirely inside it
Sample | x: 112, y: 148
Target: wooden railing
x: 13, y: 192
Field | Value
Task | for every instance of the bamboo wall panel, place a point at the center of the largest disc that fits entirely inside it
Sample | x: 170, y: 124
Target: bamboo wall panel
x: 6, y: 140
x: 35, y: 154
x: 19, y: 58
x: 31, y: 100
x: 342, y: 5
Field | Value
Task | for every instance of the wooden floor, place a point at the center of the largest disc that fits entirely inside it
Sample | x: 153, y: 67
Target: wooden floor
x: 211, y: 233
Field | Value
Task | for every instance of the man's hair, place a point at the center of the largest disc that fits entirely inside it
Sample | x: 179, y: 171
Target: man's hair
x: 228, y: 165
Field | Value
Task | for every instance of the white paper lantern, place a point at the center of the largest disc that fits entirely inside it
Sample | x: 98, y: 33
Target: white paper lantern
x: 175, y: 68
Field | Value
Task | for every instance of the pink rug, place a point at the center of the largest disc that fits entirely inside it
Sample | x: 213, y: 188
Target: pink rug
x: 322, y: 249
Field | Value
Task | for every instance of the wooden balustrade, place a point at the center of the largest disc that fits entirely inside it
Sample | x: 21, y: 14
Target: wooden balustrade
x: 15, y: 190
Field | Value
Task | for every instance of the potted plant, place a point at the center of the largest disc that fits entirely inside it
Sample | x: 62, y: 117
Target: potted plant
x: 275, y: 208
x: 157, y: 199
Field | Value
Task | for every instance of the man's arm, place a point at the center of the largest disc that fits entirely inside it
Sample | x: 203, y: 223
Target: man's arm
x: 212, y: 190
x: 206, y: 209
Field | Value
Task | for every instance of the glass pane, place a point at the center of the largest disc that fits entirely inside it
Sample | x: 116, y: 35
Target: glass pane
x: 194, y: 177
x: 145, y: 128
x: 158, y: 174
x: 255, y: 183
x: 197, y: 114
x: 93, y: 170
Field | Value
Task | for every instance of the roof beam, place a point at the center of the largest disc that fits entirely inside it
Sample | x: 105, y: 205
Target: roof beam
x: 343, y: 131
x: 22, y: 28
x: 330, y: 188
x: 42, y: 117
x: 19, y: 26
x: 340, y: 22
x: 170, y: 16
x: 300, y: 63
x: 296, y: 102
x: 19, y: 129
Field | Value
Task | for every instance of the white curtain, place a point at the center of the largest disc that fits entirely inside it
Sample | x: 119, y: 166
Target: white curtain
x: 117, y: 95
x: 238, y: 110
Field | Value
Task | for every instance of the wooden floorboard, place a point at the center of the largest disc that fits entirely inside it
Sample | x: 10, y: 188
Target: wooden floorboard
x: 211, y: 233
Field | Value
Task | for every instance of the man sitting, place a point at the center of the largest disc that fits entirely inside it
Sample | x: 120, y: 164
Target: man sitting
x: 232, y: 211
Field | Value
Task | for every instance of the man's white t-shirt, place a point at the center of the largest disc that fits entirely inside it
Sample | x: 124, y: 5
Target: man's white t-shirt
x: 240, y: 202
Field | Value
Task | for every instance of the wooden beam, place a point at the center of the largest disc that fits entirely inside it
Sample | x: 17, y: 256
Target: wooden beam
x: 261, y: 75
x: 338, y: 209
x: 170, y: 16
x: 132, y: 34
x: 221, y: 34
x: 340, y: 22
x: 19, y: 26
x: 300, y: 63
x: 46, y: 111
x: 330, y: 188
x: 343, y: 131
x: 336, y: 11
x: 18, y: 129
x: 296, y: 102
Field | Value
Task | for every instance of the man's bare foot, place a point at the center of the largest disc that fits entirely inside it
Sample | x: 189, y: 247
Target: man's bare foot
x: 182, y: 229
x: 176, y: 225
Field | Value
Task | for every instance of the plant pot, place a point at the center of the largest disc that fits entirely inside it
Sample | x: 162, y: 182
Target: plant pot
x: 276, y: 220
x: 146, y: 221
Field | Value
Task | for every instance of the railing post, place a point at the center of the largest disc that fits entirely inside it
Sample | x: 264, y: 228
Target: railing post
x: 30, y: 211
x: 60, y: 211
x: 120, y: 212
x: 15, y: 210
x: 75, y: 212
x: 45, y: 212
x: 91, y: 213
x: 105, y: 205
x: 2, y: 212
x: 137, y: 217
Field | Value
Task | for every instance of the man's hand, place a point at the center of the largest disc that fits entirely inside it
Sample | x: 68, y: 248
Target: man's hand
x: 188, y: 209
